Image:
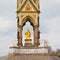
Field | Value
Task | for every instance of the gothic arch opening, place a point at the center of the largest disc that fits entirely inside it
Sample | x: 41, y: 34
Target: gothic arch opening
x: 35, y: 30
x: 28, y: 23
x: 30, y: 19
x: 25, y: 27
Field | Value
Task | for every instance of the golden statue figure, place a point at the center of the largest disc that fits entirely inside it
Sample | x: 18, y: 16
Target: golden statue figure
x: 27, y: 34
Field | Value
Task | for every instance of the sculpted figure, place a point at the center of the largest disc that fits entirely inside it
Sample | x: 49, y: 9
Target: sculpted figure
x: 27, y: 34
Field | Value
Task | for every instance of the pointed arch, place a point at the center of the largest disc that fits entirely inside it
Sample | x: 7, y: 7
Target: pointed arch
x: 28, y: 18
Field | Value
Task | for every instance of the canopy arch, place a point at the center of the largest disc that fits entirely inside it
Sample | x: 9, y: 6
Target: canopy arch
x: 28, y: 18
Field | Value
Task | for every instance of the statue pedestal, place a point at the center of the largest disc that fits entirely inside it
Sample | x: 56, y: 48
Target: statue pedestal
x: 28, y: 42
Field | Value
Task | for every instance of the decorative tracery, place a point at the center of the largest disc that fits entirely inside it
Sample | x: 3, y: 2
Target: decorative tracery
x: 36, y: 2
x: 28, y: 7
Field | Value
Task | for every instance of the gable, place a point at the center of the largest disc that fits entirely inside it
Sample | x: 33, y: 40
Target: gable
x: 27, y: 7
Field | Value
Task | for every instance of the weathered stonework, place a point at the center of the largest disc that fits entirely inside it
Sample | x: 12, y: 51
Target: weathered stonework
x: 28, y: 10
x: 29, y: 51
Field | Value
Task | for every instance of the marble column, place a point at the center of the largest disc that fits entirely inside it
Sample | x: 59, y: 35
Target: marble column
x: 20, y: 36
x: 36, y: 40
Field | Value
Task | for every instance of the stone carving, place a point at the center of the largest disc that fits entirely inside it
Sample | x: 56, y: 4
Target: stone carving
x: 27, y: 34
x: 28, y: 11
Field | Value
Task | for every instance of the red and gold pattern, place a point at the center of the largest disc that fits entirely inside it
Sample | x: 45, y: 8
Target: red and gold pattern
x: 28, y: 7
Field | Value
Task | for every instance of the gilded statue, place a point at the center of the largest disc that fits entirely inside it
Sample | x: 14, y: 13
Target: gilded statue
x: 27, y: 34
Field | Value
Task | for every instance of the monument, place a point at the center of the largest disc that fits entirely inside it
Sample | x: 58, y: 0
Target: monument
x: 28, y: 10
x: 28, y: 40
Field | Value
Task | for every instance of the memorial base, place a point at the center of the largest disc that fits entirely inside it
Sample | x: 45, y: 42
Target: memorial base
x: 24, y: 51
x: 28, y: 42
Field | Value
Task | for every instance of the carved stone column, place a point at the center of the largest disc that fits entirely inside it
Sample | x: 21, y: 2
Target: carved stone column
x: 36, y: 40
x: 19, y: 35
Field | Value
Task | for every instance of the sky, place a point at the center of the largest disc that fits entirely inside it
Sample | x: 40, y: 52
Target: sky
x: 49, y: 23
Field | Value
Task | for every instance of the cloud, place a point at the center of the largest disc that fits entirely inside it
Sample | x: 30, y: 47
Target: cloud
x: 6, y: 24
x: 53, y: 39
x: 54, y: 25
x: 5, y: 42
x: 8, y: 9
x: 49, y: 9
x: 49, y: 3
x: 53, y: 32
x: 49, y: 23
x: 7, y: 34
